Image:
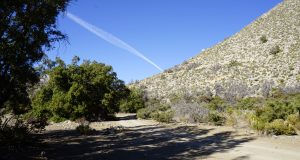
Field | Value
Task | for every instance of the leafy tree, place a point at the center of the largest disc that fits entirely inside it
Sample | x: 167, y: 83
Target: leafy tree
x: 133, y: 102
x: 90, y: 90
x: 27, y: 30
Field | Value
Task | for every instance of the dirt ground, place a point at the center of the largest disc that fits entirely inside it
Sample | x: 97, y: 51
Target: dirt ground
x: 134, y: 139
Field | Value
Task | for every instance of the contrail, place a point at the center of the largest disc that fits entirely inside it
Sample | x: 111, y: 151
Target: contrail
x: 110, y: 38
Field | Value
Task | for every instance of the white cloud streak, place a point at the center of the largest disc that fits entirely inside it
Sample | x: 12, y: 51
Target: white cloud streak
x: 110, y: 38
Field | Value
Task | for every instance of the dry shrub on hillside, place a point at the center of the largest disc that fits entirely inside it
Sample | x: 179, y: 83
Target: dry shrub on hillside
x: 190, y: 112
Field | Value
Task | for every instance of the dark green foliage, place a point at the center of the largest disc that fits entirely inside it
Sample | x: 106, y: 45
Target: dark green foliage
x: 84, y: 129
x: 91, y: 90
x: 14, y: 134
x: 279, y: 108
x: 278, y: 116
x: 133, y: 102
x: 161, y: 113
x: 27, y: 29
x: 216, y: 118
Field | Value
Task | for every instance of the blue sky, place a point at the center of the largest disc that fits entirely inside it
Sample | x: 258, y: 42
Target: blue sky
x: 167, y: 32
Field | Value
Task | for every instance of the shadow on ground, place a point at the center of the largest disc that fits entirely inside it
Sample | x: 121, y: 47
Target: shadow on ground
x: 151, y: 142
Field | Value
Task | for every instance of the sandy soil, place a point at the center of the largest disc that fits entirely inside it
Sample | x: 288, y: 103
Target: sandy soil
x: 132, y: 139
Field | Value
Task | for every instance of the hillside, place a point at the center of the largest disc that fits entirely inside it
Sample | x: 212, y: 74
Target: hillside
x: 262, y: 56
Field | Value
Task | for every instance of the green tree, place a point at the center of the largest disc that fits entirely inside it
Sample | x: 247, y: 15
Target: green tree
x: 133, y: 102
x: 27, y: 30
x: 90, y: 90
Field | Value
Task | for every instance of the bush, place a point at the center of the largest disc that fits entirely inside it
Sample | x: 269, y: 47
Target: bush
x: 278, y: 127
x: 275, y: 50
x: 91, y: 90
x: 217, y: 103
x: 293, y: 119
x: 84, y: 129
x: 144, y: 113
x: 263, y: 39
x: 216, y: 118
x: 231, y: 120
x: 234, y: 63
x: 189, y: 112
x: 297, y: 126
x: 161, y: 113
x: 257, y: 123
x: 249, y: 103
x: 133, y: 102
x: 14, y: 134
x: 163, y: 116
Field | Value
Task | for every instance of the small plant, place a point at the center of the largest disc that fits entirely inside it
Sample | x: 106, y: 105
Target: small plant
x: 84, y: 129
x: 163, y: 116
x: 248, y: 103
x: 278, y: 127
x: 257, y: 123
x: 217, y: 103
x: 231, y: 120
x: 190, y: 112
x: 143, y: 113
x: 216, y: 119
x: 297, y: 126
x: 263, y: 39
x: 234, y: 63
x: 161, y: 113
x: 14, y: 133
x: 293, y: 119
x: 275, y: 50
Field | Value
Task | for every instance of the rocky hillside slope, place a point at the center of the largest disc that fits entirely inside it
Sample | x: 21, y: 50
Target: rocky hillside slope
x: 262, y: 56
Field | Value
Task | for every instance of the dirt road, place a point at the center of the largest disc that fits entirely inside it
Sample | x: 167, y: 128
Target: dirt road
x: 132, y: 139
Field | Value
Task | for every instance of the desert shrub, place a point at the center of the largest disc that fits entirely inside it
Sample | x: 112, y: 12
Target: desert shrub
x: 275, y: 50
x: 278, y: 109
x: 234, y: 63
x: 162, y: 116
x: 257, y: 123
x: 133, y: 102
x: 267, y: 87
x: 278, y: 116
x: 174, y: 98
x: 230, y: 120
x: 235, y: 90
x: 278, y: 127
x: 205, y: 99
x: 216, y: 118
x: 293, y: 119
x: 249, y: 103
x: 190, y: 112
x: 84, y: 129
x: 263, y: 39
x: 297, y: 126
x: 217, y: 103
x: 161, y: 113
x: 219, y: 89
x: 144, y: 113
x: 91, y: 90
x: 151, y: 105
